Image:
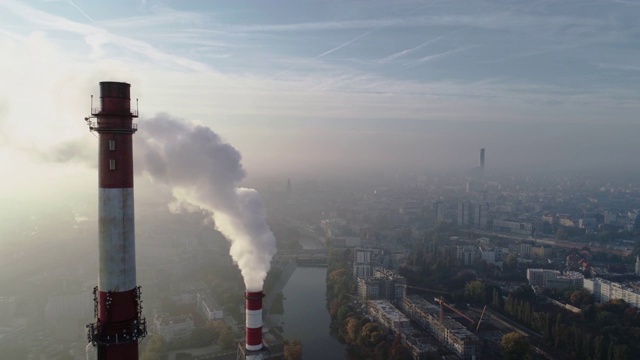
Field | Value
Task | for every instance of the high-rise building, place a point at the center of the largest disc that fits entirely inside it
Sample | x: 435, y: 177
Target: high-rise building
x: 465, y: 213
x: 440, y: 208
x: 480, y: 215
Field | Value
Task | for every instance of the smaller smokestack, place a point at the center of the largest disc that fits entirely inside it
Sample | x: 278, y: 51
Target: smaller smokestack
x: 253, y: 335
x: 482, y: 158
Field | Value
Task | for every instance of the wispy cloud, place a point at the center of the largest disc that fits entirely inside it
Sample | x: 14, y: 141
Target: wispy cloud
x: 92, y: 32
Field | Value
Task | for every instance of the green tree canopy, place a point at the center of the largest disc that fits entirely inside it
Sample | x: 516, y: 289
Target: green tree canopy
x: 516, y: 347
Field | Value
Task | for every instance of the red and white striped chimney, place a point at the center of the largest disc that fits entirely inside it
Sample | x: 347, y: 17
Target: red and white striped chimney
x: 118, y: 307
x: 253, y: 335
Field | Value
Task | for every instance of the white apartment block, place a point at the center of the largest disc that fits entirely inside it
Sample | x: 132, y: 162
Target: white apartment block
x: 554, y: 279
x: 605, y: 290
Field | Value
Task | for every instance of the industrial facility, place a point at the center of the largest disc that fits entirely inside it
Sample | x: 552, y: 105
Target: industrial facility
x: 119, y: 323
x: 255, y: 347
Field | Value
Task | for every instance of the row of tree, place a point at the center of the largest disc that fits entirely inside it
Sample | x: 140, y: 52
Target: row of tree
x: 365, y: 339
x: 607, y: 331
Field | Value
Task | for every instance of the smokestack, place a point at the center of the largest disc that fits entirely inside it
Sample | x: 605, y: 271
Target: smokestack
x: 117, y: 303
x: 253, y: 335
x: 482, y: 158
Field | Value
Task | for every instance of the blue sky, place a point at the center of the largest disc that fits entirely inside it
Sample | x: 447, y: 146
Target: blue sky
x: 338, y: 85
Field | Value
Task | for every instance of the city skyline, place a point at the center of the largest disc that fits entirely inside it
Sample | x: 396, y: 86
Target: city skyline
x: 335, y: 87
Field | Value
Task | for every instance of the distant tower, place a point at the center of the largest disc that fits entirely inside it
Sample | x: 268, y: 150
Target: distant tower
x: 118, y: 309
x: 288, y: 185
x: 482, y: 163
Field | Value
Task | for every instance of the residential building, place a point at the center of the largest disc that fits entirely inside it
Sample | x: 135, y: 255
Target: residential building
x: 554, y: 279
x: 387, y: 315
x: 449, y: 332
x: 467, y: 255
x: 492, y: 255
x: 542, y: 251
x: 512, y: 226
x: 605, y: 290
x: 384, y: 285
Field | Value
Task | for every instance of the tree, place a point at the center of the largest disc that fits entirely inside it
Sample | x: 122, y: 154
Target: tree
x: 352, y: 329
x: 475, y: 291
x: 293, y: 350
x: 155, y: 348
x: 516, y: 346
x: 400, y: 352
x: 511, y: 262
x: 581, y: 297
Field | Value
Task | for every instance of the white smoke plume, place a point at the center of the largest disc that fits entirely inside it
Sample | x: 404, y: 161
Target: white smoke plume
x: 204, y: 171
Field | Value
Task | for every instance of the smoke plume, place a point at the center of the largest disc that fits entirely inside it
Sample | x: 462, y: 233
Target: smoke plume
x: 204, y: 171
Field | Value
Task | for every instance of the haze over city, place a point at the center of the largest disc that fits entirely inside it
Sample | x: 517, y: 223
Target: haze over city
x: 337, y: 102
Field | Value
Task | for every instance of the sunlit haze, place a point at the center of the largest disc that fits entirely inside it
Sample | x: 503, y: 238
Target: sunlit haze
x: 308, y: 147
x: 335, y: 87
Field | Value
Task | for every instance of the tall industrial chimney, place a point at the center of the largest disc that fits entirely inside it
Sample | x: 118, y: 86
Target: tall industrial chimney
x: 117, y: 304
x: 482, y: 158
x: 253, y: 335
x: 253, y: 348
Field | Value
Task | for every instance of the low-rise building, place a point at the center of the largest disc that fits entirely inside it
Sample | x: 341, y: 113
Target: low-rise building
x: 512, y: 226
x: 173, y: 328
x: 449, y: 332
x: 387, y: 315
x: 208, y: 306
x: 418, y: 345
x: 554, y: 279
x: 542, y: 251
x: 492, y: 255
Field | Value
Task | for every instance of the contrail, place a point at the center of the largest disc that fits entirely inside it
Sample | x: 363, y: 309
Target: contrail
x: 345, y: 44
x: 408, y: 51
x: 81, y: 11
x: 204, y: 171
x: 326, y: 53
x: 448, y: 52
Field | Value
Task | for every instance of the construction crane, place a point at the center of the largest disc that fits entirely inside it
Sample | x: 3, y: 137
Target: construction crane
x: 481, y: 316
x: 443, y: 304
x: 426, y: 289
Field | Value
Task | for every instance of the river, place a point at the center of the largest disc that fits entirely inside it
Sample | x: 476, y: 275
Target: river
x: 305, y: 313
x: 306, y: 317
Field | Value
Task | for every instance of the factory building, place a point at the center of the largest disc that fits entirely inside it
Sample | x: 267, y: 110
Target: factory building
x: 449, y: 332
